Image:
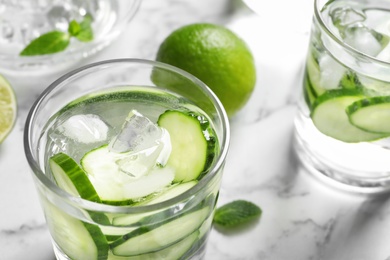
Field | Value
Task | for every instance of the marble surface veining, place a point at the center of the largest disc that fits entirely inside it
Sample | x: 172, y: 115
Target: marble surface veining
x: 303, y: 218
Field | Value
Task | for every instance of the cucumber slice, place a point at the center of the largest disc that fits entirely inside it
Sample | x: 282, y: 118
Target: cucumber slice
x: 78, y: 240
x: 131, y: 220
x: 113, y: 233
x: 190, y: 149
x: 330, y: 117
x: 371, y: 114
x: 172, y: 192
x: 71, y: 178
x: 314, y: 74
x: 156, y: 237
x: 308, y: 92
x: 118, y: 188
x: 173, y: 252
x: 205, y: 227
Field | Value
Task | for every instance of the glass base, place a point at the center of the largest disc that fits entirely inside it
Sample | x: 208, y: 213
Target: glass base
x: 199, y: 252
x: 343, y: 166
x: 58, y: 252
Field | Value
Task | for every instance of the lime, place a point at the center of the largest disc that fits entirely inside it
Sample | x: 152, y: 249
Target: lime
x: 7, y: 108
x: 216, y: 56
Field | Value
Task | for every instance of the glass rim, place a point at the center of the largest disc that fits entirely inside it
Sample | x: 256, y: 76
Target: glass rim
x: 89, y: 205
x: 328, y: 31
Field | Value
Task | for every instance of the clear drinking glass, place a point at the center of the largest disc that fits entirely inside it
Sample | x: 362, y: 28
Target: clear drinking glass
x: 342, y: 126
x: 176, y: 228
x: 21, y: 21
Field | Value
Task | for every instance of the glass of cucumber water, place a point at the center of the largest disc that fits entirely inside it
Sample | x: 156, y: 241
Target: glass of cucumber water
x: 343, y: 122
x: 127, y: 157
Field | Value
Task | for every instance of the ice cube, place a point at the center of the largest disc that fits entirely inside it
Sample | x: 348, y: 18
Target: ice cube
x: 59, y: 16
x: 331, y: 72
x: 137, y: 133
x: 143, y: 145
x: 383, y: 27
x: 384, y: 54
x: 166, y: 148
x: 354, y: 29
x: 365, y: 39
x: 7, y: 31
x: 139, y: 163
x: 59, y: 143
x: 344, y: 16
x: 85, y: 129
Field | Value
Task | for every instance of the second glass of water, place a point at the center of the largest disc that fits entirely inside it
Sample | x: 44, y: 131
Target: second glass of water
x: 343, y: 123
x: 22, y: 21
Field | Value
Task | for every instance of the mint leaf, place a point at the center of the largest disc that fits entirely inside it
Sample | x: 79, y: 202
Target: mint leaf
x: 47, y: 43
x: 57, y: 41
x: 74, y: 28
x: 236, y: 213
x: 85, y: 34
x: 87, y: 20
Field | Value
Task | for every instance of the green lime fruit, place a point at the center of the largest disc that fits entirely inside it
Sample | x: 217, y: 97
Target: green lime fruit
x: 216, y: 56
x: 7, y: 108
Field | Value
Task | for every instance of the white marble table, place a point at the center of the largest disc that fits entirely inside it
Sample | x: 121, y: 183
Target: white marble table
x: 302, y: 218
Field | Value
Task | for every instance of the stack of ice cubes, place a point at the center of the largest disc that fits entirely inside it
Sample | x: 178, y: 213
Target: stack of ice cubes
x: 368, y: 34
x: 140, y: 143
x: 144, y: 143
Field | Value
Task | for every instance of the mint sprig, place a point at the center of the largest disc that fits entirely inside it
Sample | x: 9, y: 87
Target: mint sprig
x: 236, y: 213
x: 84, y: 31
x: 57, y: 41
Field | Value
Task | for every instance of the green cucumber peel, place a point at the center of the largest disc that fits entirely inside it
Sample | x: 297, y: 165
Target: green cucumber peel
x: 67, y: 172
x: 336, y: 93
x: 70, y: 177
x: 76, y: 238
x: 97, y: 236
x: 314, y: 74
x: 308, y: 92
x: 371, y: 114
x: 211, y: 139
x: 366, y: 102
